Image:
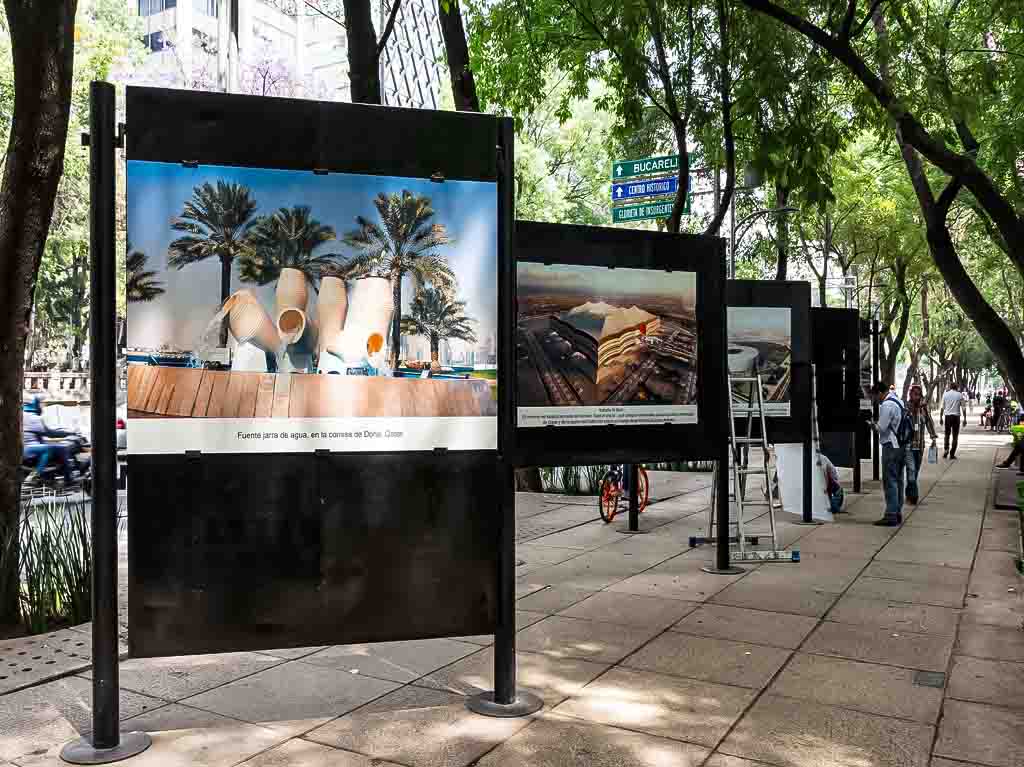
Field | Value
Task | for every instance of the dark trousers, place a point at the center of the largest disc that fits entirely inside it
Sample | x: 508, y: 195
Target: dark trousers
x: 952, y: 426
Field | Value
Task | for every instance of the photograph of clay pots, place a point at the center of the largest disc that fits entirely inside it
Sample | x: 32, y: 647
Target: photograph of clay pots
x: 761, y: 341
x: 269, y: 293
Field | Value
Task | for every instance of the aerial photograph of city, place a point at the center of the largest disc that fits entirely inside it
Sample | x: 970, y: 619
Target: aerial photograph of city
x: 761, y: 341
x: 590, y: 335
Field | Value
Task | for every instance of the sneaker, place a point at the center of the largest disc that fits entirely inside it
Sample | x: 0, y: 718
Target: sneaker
x: 945, y: 455
x: 886, y: 523
x: 912, y: 501
x: 952, y: 458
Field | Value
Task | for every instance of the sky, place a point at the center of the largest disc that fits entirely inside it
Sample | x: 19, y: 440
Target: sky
x: 157, y: 192
x: 600, y: 281
x: 759, y: 322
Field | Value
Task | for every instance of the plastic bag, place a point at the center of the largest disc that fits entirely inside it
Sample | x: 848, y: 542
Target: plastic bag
x: 933, y: 454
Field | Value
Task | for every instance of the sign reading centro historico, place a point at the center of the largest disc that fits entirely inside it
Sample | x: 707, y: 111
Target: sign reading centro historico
x: 645, y: 211
x: 645, y: 166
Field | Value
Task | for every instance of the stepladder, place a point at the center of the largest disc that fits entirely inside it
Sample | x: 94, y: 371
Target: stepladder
x: 753, y: 485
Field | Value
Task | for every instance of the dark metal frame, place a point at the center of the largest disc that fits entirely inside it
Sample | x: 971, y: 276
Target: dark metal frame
x: 629, y: 249
x: 835, y: 334
x: 106, y: 743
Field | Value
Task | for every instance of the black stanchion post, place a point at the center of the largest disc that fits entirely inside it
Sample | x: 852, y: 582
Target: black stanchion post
x: 722, y: 564
x: 106, y: 743
x: 856, y: 461
x: 634, y: 498
x: 506, y: 700
x: 876, y: 450
x: 632, y: 477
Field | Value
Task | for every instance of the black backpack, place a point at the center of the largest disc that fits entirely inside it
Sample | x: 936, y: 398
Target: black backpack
x: 905, y: 430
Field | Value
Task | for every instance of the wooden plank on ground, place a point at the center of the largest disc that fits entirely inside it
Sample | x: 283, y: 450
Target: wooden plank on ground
x: 218, y: 395
x: 185, y: 391
x: 233, y: 398
x: 265, y: 396
x: 282, y: 395
x: 202, y: 402
x: 250, y: 390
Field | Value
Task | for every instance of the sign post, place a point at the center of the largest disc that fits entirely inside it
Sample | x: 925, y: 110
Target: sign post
x: 106, y: 743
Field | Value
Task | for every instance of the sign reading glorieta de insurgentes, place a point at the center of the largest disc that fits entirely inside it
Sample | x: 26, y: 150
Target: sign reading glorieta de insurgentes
x: 646, y: 211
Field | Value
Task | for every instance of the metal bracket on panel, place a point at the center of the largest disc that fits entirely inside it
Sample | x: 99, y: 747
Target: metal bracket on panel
x: 85, y: 139
x: 437, y: 177
x: 320, y: 171
x: 440, y: 450
x: 193, y: 455
x: 122, y: 130
x: 190, y: 163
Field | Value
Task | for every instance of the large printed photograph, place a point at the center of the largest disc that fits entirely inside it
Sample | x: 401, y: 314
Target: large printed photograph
x: 598, y: 346
x: 334, y: 311
x: 760, y: 342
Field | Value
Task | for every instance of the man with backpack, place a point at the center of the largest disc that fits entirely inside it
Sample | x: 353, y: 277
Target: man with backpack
x: 895, y: 433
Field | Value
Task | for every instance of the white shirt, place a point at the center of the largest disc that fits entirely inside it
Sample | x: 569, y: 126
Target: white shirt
x: 952, y: 402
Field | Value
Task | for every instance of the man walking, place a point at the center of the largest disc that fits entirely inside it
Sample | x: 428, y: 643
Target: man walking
x: 894, y: 455
x: 952, y: 407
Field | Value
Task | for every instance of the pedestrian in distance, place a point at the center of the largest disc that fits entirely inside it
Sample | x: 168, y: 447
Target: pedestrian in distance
x: 895, y: 433
x: 998, y: 403
x: 952, y: 408
x: 922, y: 422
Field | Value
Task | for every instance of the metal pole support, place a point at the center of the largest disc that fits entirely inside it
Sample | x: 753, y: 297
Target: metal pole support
x: 876, y: 450
x: 506, y: 700
x: 856, y: 461
x: 806, y: 501
x: 722, y: 565
x: 633, y: 518
x: 106, y: 743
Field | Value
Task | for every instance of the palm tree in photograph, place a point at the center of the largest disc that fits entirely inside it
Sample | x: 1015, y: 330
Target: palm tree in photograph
x: 405, y: 241
x: 286, y: 239
x: 217, y: 223
x: 439, y: 317
x: 140, y: 283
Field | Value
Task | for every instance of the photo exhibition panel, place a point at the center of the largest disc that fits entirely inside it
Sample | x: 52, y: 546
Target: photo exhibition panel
x: 276, y: 310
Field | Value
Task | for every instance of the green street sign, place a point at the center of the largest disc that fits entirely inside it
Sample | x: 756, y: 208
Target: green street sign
x: 644, y: 166
x: 646, y: 211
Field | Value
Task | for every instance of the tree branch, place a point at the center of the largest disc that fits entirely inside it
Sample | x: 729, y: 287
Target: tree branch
x: 395, y: 5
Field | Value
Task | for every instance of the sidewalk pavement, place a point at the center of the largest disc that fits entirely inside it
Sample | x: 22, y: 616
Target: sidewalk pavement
x: 882, y: 648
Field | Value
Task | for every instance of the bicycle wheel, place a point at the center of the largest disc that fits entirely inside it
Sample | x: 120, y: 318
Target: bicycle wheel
x: 608, y: 499
x: 643, y: 488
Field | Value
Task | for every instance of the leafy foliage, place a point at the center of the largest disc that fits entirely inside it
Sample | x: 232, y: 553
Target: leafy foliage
x: 438, y: 317
x: 286, y: 239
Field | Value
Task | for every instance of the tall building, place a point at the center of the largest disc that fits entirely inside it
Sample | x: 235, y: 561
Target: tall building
x: 289, y: 48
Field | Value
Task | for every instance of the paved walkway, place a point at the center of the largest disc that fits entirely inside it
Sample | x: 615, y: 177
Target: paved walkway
x: 882, y: 648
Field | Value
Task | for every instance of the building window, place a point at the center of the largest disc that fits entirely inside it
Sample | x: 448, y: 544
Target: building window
x: 155, y: 41
x: 152, y: 7
x: 209, y: 7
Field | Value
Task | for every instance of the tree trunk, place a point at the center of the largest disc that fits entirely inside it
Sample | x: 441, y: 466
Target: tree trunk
x: 396, y: 320
x: 225, y: 291
x: 682, y: 188
x: 363, y: 61
x: 435, y: 348
x: 457, y: 53
x: 725, y: 98
x: 781, y: 232
x: 42, y: 50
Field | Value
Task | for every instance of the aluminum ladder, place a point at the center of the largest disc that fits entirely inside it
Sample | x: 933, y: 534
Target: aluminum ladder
x: 752, y: 407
